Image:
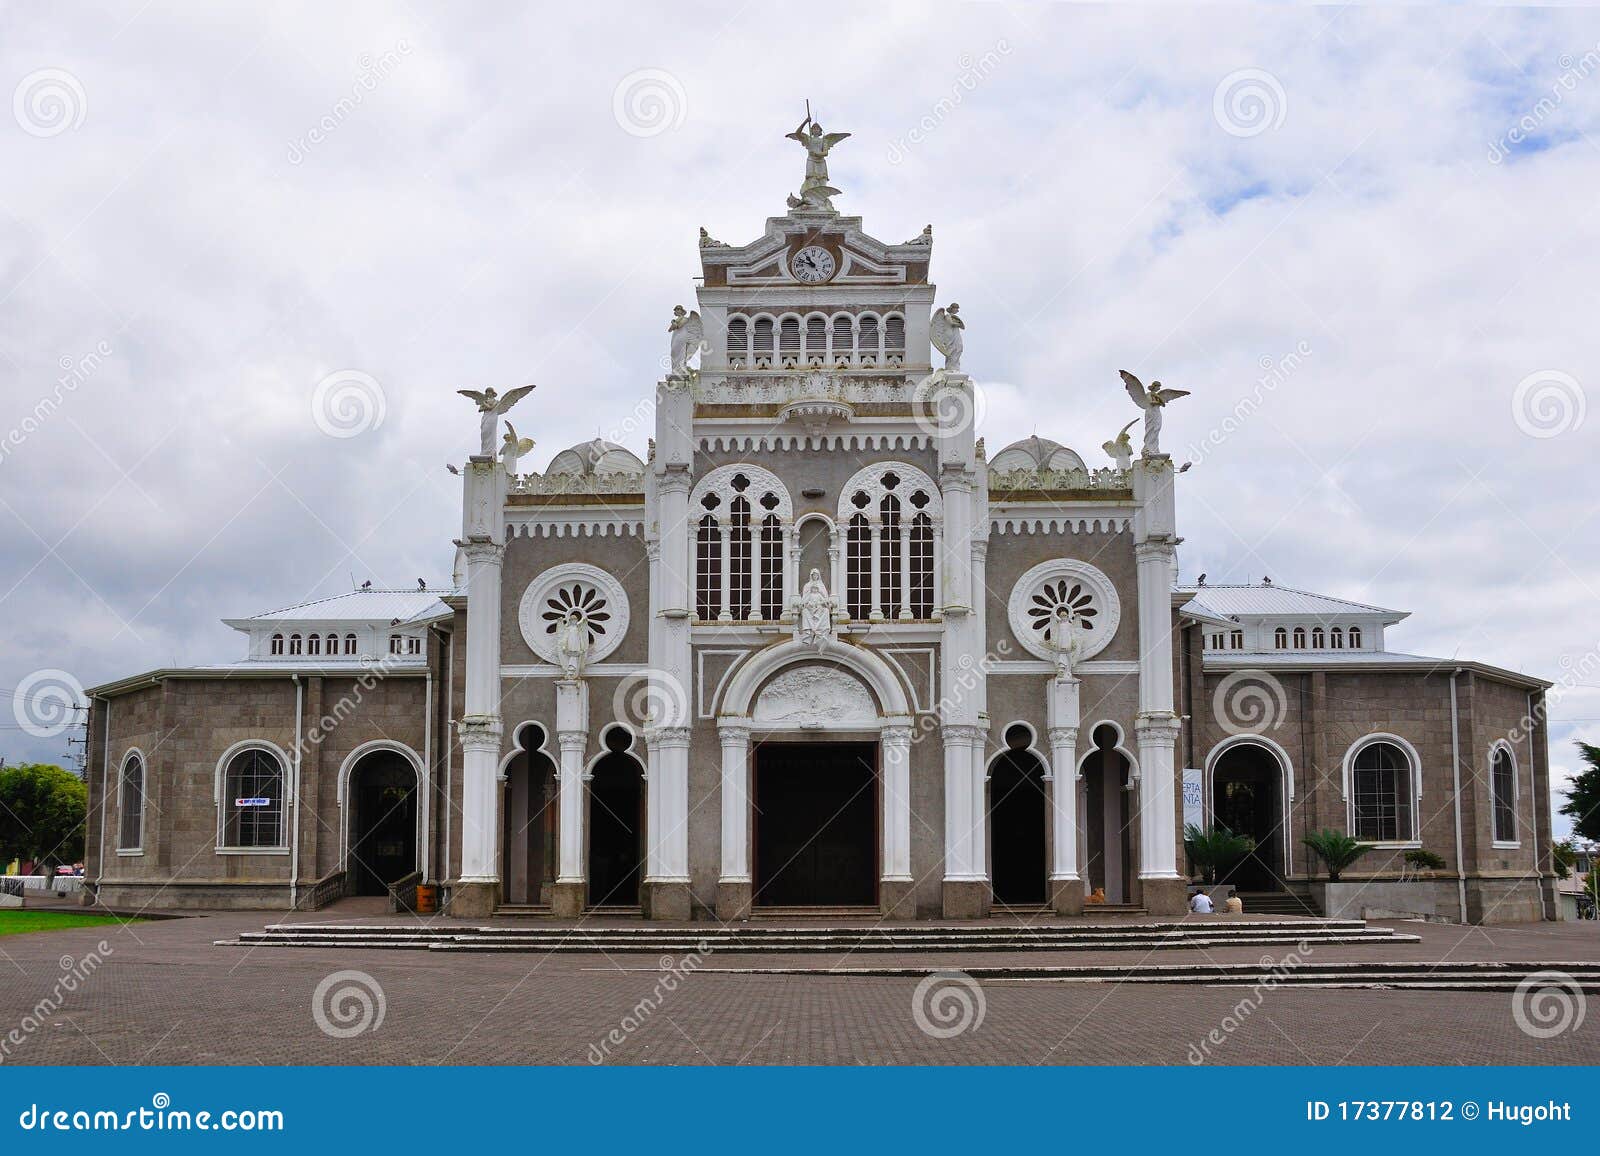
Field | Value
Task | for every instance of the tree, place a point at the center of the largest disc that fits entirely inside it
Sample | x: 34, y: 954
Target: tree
x: 42, y: 814
x: 1583, y: 800
x: 1563, y: 855
x: 1336, y: 849
x: 1215, y: 849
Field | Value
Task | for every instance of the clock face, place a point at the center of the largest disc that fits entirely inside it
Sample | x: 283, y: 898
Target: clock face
x: 812, y: 264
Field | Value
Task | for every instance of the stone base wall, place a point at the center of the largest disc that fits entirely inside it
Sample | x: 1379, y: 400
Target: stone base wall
x: 1488, y: 900
x: 195, y: 896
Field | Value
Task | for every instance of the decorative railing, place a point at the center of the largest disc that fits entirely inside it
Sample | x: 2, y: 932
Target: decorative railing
x: 323, y: 892
x: 403, y: 892
x: 586, y: 485
x: 1024, y: 481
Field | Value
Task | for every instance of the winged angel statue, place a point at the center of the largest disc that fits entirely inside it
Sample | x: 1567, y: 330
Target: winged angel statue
x: 490, y: 406
x: 688, y: 334
x: 512, y: 448
x: 945, y: 330
x: 1152, y: 401
x: 815, y: 192
x: 1120, y: 448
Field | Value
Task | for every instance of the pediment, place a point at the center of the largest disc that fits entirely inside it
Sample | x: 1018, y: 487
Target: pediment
x: 816, y: 695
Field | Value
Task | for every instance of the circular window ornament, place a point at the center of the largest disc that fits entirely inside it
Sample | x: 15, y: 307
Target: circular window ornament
x: 1064, y: 594
x: 573, y: 590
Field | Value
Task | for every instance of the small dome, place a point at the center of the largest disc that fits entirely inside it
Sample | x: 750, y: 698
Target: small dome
x: 1035, y: 453
x: 596, y: 457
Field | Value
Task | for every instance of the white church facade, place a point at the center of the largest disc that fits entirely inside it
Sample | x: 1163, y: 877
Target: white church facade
x: 816, y: 652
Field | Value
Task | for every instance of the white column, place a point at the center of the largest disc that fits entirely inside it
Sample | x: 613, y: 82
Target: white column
x: 572, y: 733
x: 725, y: 529
x: 668, y: 852
x: 756, y: 534
x: 836, y: 583
x: 905, y: 566
x: 483, y: 542
x: 896, y: 742
x: 875, y: 610
x: 1064, y: 804
x: 960, y: 817
x: 735, y: 738
x: 791, y: 563
x: 937, y: 564
x: 1157, y: 726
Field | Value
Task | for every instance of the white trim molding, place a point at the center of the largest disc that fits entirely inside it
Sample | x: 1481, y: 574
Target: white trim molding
x: 285, y: 763
x: 604, y: 637
x: 1347, y: 766
x: 144, y: 798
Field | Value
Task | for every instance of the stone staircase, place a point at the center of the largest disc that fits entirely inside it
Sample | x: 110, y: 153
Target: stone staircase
x: 442, y: 935
x: 1278, y: 903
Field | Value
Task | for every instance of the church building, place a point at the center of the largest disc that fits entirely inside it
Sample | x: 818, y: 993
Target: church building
x: 819, y: 652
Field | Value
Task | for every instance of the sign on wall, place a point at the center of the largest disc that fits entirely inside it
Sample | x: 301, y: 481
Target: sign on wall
x: 1194, y: 803
x: 258, y: 801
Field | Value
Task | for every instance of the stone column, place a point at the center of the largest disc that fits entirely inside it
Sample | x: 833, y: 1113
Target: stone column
x: 476, y: 890
x: 966, y: 885
x: 791, y: 563
x: 906, y: 526
x: 734, y: 885
x: 725, y: 531
x: 1157, y: 725
x: 569, y: 895
x: 756, y: 586
x: 875, y: 606
x: 896, y: 898
x: 1062, y: 715
x: 665, y: 894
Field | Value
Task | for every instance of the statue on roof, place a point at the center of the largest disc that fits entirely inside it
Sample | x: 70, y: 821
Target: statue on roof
x: 512, y: 448
x: 945, y: 330
x: 490, y: 406
x: 688, y: 336
x: 1152, y: 400
x: 1120, y: 448
x: 815, y: 192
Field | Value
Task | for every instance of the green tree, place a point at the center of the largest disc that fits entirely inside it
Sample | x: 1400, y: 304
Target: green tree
x: 1336, y: 850
x: 1215, y: 849
x: 1583, y: 800
x: 1563, y: 854
x: 42, y: 815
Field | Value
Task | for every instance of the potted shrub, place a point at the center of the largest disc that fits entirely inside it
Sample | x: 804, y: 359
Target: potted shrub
x: 1213, y: 850
x: 1336, y: 850
x: 1417, y: 861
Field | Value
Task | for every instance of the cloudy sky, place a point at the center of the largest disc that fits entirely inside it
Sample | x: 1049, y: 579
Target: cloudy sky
x: 1364, y: 239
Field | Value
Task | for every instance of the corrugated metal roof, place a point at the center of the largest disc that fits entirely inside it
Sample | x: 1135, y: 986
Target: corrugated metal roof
x: 363, y: 606
x: 1253, y: 600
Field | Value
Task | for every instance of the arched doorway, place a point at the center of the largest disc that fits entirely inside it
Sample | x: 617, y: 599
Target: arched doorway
x: 1247, y: 799
x: 529, y: 842
x: 1017, y: 809
x: 616, y: 823
x: 383, y: 824
x: 1107, y: 817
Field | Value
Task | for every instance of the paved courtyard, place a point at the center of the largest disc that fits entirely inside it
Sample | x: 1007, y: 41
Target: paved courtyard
x: 164, y: 993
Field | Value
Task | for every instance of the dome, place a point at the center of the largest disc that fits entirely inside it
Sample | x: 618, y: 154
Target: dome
x: 1035, y: 453
x: 596, y: 457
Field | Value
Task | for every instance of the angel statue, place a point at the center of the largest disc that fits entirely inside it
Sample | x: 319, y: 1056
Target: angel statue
x: 815, y: 621
x: 945, y: 329
x: 1152, y: 401
x: 572, y: 644
x: 490, y: 406
x: 688, y: 337
x: 512, y: 448
x: 815, y: 192
x: 1064, y: 642
x: 1120, y: 448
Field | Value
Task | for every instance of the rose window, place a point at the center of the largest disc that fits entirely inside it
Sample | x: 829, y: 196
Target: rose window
x: 584, y: 600
x: 1064, y: 600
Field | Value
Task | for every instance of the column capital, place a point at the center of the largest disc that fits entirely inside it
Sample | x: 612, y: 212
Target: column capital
x: 1063, y: 736
x: 1157, y: 727
x: 733, y: 732
x: 897, y: 735
x: 1159, y: 549
x: 674, y: 478
x: 962, y: 733
x: 572, y: 740
x: 479, y: 549
x: 480, y: 732
x: 666, y: 736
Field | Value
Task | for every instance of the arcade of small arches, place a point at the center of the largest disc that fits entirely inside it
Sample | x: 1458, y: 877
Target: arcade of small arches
x: 864, y: 340
x: 750, y: 554
x: 1297, y: 638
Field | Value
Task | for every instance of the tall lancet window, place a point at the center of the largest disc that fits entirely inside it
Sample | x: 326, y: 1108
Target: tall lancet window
x: 893, y: 520
x: 741, y: 548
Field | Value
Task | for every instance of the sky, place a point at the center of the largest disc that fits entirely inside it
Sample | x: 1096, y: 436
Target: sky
x: 248, y: 255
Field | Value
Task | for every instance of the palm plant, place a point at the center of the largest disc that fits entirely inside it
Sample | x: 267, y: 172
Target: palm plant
x: 1214, y: 849
x: 1336, y: 850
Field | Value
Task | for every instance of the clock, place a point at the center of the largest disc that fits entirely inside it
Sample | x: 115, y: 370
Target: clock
x: 812, y: 264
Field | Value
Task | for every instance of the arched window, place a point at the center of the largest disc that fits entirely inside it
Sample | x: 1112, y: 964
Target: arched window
x: 1318, y: 640
x: 867, y: 352
x: 892, y: 514
x: 741, y: 547
x: 1336, y: 638
x: 331, y: 644
x: 789, y: 342
x: 252, y: 800
x: 1380, y: 794
x: 1299, y: 637
x: 394, y: 644
x: 1503, y: 789
x: 894, y: 339
x: 738, y: 342
x: 295, y: 644
x: 762, y: 351
x: 1355, y: 638
x: 276, y: 645
x: 130, y: 803
x: 1280, y: 638
x: 313, y: 644
x: 1236, y: 640
x: 844, y: 342
x: 816, y: 340
x: 413, y: 644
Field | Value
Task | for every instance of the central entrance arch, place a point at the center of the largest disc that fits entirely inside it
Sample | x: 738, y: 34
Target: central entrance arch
x: 1250, y: 790
x: 381, y: 802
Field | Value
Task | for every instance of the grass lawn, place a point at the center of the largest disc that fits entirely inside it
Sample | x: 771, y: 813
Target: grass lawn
x: 16, y: 920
